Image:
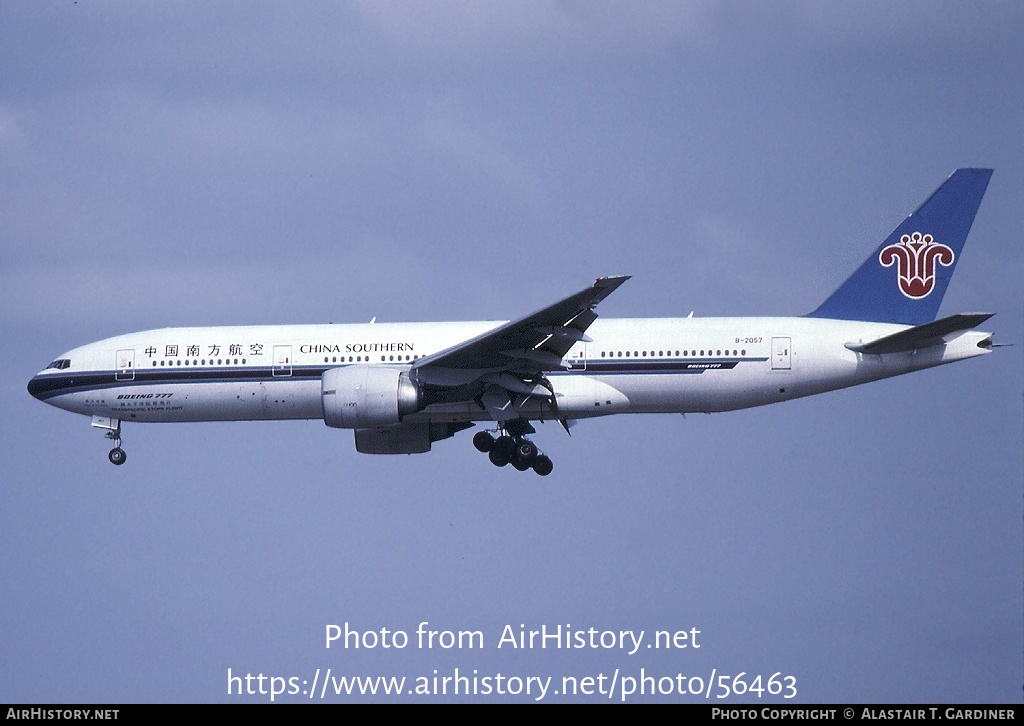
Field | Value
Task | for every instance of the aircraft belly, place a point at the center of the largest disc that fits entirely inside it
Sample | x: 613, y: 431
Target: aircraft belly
x: 293, y: 399
x: 749, y: 384
x: 660, y: 393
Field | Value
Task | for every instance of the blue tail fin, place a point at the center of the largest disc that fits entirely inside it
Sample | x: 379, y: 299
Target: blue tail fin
x: 904, y: 280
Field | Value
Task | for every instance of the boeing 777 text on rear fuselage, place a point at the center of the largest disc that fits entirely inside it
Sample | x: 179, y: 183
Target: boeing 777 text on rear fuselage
x: 403, y: 386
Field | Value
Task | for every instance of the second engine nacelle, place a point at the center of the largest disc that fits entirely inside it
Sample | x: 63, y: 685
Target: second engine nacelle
x: 356, y: 397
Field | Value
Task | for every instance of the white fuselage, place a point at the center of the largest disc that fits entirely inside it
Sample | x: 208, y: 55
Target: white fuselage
x: 644, y: 365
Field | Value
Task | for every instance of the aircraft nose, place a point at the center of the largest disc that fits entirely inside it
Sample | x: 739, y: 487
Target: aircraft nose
x: 36, y: 387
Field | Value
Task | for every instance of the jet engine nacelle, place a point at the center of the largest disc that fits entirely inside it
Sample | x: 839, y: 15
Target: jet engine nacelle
x: 356, y: 397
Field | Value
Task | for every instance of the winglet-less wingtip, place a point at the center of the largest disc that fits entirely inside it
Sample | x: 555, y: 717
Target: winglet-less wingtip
x: 607, y: 285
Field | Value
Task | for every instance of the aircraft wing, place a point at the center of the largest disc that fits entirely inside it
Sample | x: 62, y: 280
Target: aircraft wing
x: 511, y: 359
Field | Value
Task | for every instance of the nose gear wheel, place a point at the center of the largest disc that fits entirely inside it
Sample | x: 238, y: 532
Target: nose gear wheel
x: 116, y: 455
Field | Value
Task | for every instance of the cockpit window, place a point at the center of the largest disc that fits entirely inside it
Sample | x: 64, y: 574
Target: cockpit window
x: 60, y: 364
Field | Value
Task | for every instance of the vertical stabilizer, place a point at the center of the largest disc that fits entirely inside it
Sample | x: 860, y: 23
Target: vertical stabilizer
x: 903, y: 281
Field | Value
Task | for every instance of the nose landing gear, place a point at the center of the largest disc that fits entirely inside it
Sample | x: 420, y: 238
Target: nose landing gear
x: 113, y: 429
x: 117, y: 455
x: 518, y: 451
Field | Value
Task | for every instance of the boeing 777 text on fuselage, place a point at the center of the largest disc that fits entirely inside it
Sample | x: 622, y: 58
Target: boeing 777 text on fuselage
x: 403, y: 386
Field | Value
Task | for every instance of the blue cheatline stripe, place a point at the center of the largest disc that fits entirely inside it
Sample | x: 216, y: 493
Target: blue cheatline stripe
x: 47, y: 386
x: 54, y: 384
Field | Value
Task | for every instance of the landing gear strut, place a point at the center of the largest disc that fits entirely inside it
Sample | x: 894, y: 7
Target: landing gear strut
x: 518, y: 451
x: 116, y: 455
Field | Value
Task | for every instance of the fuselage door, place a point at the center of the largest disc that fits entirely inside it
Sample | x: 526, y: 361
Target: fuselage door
x: 124, y: 366
x: 781, y: 354
x: 282, y: 361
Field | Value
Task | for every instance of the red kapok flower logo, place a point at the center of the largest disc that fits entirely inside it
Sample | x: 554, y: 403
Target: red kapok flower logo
x: 916, y: 255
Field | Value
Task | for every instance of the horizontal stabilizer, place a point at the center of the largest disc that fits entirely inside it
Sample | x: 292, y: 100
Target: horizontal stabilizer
x: 923, y: 336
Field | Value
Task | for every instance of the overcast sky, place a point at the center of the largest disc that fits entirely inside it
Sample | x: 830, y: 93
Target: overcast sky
x: 188, y: 163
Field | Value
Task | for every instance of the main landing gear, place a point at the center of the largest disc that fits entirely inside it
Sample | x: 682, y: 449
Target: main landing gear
x: 518, y: 451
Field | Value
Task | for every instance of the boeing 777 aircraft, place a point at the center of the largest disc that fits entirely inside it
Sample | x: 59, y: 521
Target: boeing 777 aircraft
x: 403, y: 386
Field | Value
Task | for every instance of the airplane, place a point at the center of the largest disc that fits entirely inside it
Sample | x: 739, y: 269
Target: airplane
x: 403, y: 386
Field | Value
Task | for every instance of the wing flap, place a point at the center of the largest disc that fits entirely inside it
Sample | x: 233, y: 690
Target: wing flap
x: 498, y: 404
